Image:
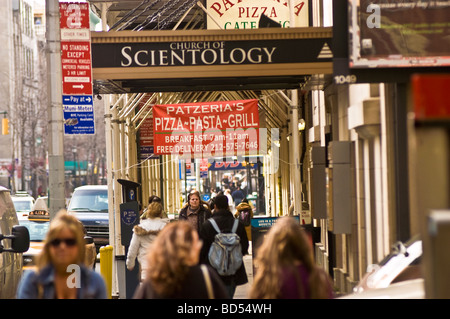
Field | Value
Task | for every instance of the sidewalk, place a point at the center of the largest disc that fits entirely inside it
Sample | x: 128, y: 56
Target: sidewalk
x: 243, y: 290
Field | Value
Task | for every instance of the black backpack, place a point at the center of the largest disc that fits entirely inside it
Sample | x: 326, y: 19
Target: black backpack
x: 245, y: 217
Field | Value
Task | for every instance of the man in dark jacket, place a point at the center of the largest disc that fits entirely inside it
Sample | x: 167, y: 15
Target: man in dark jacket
x: 224, y: 219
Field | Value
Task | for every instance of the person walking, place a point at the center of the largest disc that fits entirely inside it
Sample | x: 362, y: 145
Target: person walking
x: 285, y: 267
x: 143, y: 236
x: 238, y: 195
x: 61, y: 272
x: 195, y: 212
x: 174, y: 270
x: 227, y: 193
x: 244, y: 212
x: 225, y: 221
x: 155, y: 199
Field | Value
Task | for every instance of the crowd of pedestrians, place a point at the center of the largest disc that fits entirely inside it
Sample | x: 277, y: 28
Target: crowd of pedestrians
x: 174, y: 256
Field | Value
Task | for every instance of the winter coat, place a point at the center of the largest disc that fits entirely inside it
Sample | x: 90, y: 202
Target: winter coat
x: 245, y: 207
x: 203, y: 214
x: 143, y: 236
x: 225, y: 221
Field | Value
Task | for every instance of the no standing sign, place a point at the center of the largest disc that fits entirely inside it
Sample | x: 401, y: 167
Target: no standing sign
x: 76, y: 64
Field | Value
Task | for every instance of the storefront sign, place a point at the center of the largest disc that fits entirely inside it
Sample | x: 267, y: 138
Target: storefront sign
x: 245, y: 14
x: 210, y: 129
x: 209, y: 53
x: 226, y: 166
x: 396, y: 33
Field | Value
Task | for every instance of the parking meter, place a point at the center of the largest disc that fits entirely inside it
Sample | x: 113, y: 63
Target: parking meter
x: 129, y: 217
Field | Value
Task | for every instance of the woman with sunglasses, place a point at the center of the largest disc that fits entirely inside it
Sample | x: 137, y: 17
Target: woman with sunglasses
x: 61, y: 272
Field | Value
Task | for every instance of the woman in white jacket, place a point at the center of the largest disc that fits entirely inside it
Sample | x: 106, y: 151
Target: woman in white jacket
x: 143, y: 235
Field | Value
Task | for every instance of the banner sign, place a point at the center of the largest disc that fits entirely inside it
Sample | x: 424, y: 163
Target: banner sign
x: 245, y: 14
x: 208, y: 53
x: 210, y: 129
x: 406, y: 33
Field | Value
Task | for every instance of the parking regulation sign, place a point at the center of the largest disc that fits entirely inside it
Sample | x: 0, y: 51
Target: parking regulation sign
x: 78, y: 114
x: 75, y: 48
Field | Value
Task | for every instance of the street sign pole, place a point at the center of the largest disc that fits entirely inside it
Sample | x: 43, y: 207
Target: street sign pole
x: 55, y: 110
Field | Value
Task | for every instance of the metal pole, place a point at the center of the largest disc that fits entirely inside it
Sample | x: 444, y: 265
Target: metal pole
x: 295, y: 135
x: 54, y: 109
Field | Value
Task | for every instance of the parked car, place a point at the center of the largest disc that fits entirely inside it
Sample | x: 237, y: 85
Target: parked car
x: 398, y: 275
x: 23, y: 203
x: 14, y: 240
x: 90, y: 205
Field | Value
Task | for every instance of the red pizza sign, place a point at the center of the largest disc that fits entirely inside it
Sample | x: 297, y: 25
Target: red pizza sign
x: 210, y: 129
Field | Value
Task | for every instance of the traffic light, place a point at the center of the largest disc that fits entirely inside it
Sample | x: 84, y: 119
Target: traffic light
x: 5, y: 126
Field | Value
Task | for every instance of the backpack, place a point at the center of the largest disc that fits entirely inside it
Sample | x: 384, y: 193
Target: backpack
x: 244, y: 217
x: 225, y: 254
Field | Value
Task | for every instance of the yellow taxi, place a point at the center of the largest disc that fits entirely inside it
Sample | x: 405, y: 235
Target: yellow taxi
x: 37, y: 224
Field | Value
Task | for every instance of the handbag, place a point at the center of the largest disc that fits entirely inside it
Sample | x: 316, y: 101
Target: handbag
x: 207, y: 281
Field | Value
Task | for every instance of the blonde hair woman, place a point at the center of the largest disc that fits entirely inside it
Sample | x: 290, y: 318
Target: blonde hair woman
x: 286, y: 267
x: 143, y: 236
x: 61, y: 272
x: 173, y: 269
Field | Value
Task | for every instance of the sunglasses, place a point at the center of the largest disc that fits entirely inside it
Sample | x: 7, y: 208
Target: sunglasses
x: 69, y: 242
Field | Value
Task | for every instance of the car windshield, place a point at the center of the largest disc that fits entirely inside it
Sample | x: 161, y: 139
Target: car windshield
x: 23, y: 205
x: 37, y: 229
x: 89, y: 201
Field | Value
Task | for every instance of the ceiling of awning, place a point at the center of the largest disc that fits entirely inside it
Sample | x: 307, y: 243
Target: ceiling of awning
x: 151, y: 14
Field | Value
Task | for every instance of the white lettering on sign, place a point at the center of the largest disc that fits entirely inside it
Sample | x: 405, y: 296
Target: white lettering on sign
x: 191, y: 56
x: 73, y: 16
x: 209, y: 129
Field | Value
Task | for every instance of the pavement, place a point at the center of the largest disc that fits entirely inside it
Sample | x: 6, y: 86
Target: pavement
x: 243, y: 290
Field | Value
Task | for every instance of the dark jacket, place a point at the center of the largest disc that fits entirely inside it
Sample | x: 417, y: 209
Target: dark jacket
x: 203, y: 214
x: 225, y: 220
x: 193, y: 287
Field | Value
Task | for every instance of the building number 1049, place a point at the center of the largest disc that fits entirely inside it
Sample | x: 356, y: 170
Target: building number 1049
x: 345, y: 79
